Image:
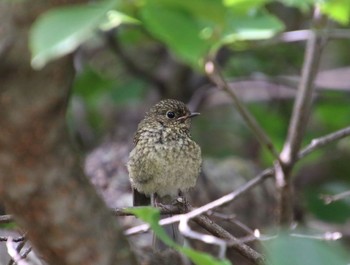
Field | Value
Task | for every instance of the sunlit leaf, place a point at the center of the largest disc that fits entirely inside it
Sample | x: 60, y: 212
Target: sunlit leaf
x: 151, y: 216
x: 339, y: 10
x: 201, y: 258
x: 254, y: 27
x: 61, y: 30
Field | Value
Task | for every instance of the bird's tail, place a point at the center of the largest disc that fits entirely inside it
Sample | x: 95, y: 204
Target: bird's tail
x: 172, y: 230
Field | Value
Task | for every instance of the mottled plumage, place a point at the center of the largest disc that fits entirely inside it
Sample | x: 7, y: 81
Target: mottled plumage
x: 165, y: 159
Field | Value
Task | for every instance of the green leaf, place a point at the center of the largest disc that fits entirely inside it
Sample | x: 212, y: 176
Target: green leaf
x: 151, y: 216
x: 61, y: 30
x: 178, y: 29
x: 201, y: 258
x: 303, y: 5
x: 288, y: 250
x: 251, y: 27
x: 339, y: 10
x: 245, y: 5
x: 208, y: 10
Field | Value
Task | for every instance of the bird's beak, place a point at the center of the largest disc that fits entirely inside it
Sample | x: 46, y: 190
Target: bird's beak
x: 193, y: 114
x: 183, y: 118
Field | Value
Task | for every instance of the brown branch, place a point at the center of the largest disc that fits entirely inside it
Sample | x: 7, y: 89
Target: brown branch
x: 300, y: 115
x: 235, y: 243
x: 214, y: 74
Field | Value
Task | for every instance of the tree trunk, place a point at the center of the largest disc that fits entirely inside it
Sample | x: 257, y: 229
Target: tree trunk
x: 41, y: 179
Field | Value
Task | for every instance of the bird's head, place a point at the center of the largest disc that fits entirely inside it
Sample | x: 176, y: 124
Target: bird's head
x: 171, y: 113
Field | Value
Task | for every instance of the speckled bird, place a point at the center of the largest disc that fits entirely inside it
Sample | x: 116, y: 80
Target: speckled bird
x: 165, y: 160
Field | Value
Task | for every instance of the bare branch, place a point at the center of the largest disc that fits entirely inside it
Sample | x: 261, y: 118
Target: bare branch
x: 324, y: 140
x: 234, y: 242
x: 303, y: 100
x: 328, y: 199
x: 303, y: 35
x: 212, y: 71
x: 327, y: 236
x: 300, y: 116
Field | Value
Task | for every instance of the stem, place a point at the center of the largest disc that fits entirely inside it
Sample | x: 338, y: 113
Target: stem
x: 300, y: 116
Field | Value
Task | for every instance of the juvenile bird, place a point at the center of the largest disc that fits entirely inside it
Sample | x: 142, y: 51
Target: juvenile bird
x: 165, y: 160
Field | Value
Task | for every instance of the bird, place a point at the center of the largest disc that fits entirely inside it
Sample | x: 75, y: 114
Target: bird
x: 165, y: 162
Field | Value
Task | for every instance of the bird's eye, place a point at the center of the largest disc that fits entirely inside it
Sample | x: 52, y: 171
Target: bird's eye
x: 170, y: 114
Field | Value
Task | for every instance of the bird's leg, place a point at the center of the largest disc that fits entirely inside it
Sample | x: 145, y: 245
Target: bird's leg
x: 153, y: 200
x: 181, y: 199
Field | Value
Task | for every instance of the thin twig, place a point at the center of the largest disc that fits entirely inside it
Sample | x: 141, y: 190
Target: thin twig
x: 324, y: 140
x: 212, y: 71
x: 300, y: 116
x: 328, y: 199
x: 327, y: 236
x: 235, y: 243
x: 303, y: 35
x: 26, y: 252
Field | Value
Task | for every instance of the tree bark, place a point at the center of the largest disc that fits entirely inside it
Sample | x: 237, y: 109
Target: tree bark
x: 41, y: 179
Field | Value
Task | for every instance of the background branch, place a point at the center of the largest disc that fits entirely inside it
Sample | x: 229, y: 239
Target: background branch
x: 300, y: 115
x: 214, y: 74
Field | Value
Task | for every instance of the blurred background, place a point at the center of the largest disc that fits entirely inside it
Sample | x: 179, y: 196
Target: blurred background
x: 122, y: 71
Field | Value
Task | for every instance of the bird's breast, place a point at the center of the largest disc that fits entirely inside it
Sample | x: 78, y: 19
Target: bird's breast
x: 168, y: 161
